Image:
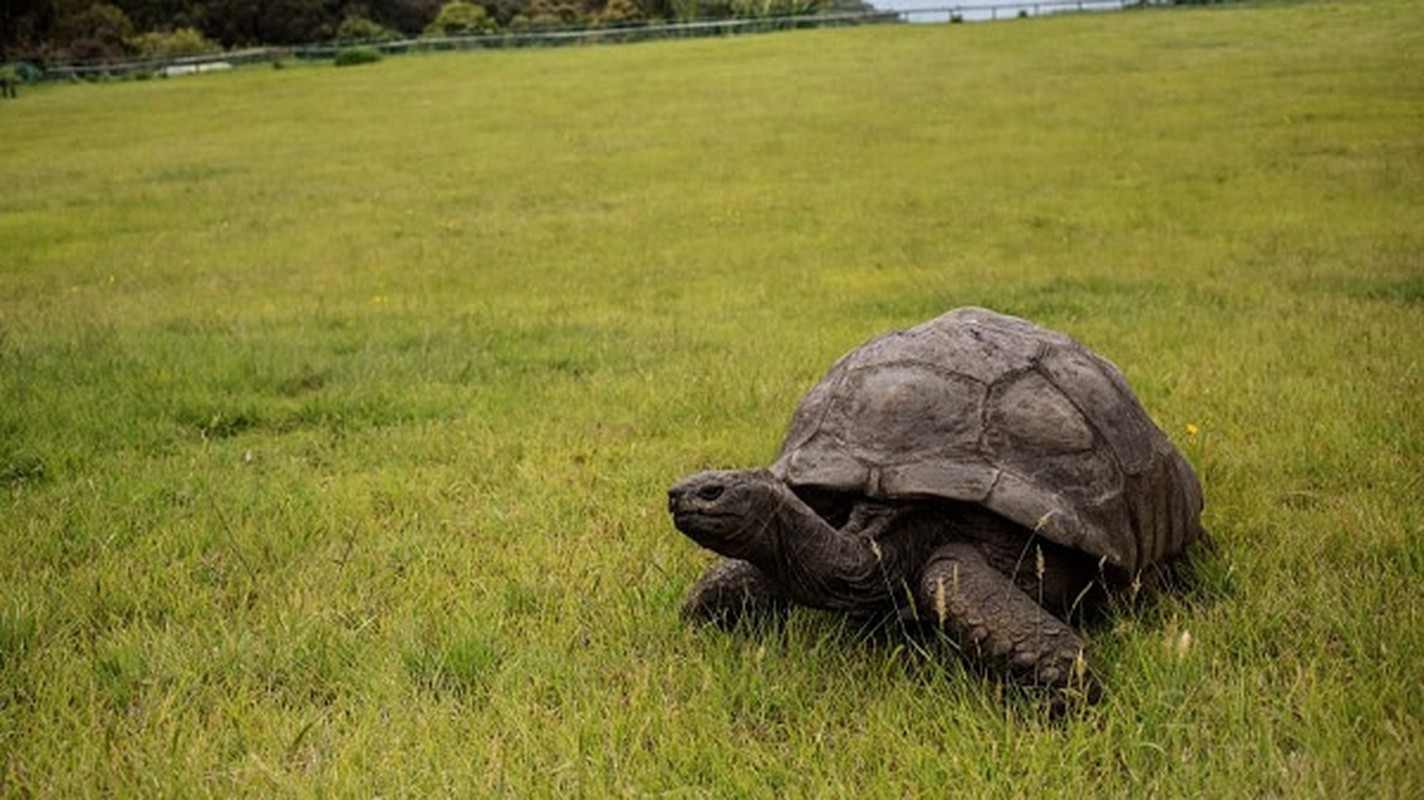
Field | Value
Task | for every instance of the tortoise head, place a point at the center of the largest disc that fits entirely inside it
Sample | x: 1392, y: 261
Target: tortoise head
x: 753, y: 516
x: 727, y: 510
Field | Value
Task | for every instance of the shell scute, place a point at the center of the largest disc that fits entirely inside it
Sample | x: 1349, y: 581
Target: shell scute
x: 1027, y: 412
x: 902, y: 411
x: 1108, y: 404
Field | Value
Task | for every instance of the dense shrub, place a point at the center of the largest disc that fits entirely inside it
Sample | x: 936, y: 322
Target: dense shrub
x: 619, y: 13
x: 49, y: 31
x: 96, y: 33
x: 181, y: 42
x: 774, y: 8
x: 689, y: 10
x: 352, y: 56
x: 459, y: 18
x: 360, y: 29
x: 548, y: 15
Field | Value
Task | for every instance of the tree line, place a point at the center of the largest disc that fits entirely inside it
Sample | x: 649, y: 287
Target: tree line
x: 62, y: 31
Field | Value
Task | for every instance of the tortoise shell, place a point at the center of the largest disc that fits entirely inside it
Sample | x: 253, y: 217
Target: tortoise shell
x: 979, y: 407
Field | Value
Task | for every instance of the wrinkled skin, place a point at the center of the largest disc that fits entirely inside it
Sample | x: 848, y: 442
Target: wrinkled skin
x: 996, y: 589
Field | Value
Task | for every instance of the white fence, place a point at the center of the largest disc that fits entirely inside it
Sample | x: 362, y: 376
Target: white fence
x: 940, y: 11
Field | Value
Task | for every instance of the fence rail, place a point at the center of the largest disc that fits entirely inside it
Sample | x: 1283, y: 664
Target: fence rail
x: 955, y: 12
x: 609, y: 34
x: 977, y: 12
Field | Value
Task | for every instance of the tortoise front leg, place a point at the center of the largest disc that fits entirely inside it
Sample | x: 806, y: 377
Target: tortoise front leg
x: 731, y: 590
x: 998, y: 624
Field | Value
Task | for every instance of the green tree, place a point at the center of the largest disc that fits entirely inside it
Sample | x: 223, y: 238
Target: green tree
x: 47, y: 30
x: 257, y: 22
x: 777, y: 8
x: 181, y: 42
x: 360, y: 29
x: 162, y: 15
x: 550, y: 14
x: 407, y: 16
x: 96, y: 33
x: 22, y: 23
x: 459, y: 18
x: 621, y: 13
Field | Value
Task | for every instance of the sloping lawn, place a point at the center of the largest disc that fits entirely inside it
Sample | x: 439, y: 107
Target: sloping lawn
x: 339, y: 405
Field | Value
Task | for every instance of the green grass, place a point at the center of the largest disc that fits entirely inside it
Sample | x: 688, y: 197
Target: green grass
x: 338, y: 405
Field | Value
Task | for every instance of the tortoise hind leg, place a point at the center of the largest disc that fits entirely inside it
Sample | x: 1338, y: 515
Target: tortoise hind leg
x: 996, y: 623
x: 732, y: 590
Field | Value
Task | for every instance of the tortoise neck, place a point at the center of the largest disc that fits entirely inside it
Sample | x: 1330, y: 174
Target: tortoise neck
x: 778, y: 532
x: 816, y: 564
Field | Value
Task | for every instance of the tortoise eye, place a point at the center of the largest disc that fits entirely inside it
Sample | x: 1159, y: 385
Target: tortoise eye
x: 710, y: 493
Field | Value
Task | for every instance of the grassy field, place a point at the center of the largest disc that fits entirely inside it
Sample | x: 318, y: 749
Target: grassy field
x: 339, y: 405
